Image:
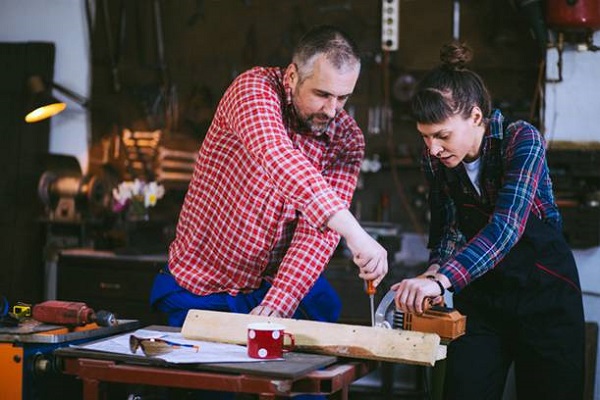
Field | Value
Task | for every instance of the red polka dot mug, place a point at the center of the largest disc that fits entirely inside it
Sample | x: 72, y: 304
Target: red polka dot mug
x: 266, y: 340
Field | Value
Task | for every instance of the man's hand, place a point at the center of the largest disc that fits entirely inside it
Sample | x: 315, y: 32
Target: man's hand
x: 367, y: 253
x: 370, y: 257
x: 265, y: 311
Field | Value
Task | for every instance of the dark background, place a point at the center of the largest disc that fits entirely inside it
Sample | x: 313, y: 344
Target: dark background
x: 165, y: 68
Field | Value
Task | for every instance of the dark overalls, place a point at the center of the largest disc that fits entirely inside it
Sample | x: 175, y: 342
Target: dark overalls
x: 528, y: 309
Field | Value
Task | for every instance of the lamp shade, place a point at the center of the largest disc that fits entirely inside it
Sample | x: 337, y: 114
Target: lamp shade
x: 44, y: 107
x: 42, y: 104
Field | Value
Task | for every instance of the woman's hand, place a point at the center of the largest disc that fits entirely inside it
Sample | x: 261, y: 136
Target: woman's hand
x: 412, y: 293
x: 432, y: 270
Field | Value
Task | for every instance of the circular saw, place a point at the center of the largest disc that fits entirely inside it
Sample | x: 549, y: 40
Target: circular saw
x: 448, y: 323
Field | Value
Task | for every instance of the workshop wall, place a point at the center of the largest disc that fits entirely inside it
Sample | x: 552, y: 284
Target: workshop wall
x: 23, y: 147
x: 171, y: 75
x: 61, y: 22
x: 570, y: 114
x: 205, y: 44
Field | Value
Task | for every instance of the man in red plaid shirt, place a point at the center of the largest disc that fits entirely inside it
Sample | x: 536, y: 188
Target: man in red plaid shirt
x: 269, y: 197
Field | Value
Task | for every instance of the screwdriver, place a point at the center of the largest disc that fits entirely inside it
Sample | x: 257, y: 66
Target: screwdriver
x: 370, y: 289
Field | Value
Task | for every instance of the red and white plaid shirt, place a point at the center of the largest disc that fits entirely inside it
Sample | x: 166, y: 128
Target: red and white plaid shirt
x: 261, y: 194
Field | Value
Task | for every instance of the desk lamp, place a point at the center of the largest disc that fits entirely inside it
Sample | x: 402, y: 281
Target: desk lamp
x: 42, y: 104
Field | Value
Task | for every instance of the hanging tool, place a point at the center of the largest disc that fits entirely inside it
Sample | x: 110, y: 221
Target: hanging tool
x: 448, y: 323
x: 114, y: 55
x: 71, y: 313
x: 370, y: 289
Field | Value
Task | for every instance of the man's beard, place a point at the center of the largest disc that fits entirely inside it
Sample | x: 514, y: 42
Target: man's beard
x: 316, y: 123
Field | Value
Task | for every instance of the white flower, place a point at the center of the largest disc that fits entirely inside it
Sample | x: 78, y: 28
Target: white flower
x: 129, y: 191
x: 152, y: 193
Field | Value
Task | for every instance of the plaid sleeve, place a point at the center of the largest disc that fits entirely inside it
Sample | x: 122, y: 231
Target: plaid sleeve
x: 302, y: 264
x: 312, y: 248
x: 258, y: 122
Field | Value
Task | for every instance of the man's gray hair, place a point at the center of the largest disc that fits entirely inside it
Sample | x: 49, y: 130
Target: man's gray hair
x: 337, y: 47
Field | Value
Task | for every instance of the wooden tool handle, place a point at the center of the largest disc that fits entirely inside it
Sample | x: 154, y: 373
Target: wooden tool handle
x: 370, y: 289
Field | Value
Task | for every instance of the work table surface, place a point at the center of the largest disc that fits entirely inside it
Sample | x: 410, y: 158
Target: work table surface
x: 297, y: 373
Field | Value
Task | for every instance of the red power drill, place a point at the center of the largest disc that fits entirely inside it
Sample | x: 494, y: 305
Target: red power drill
x: 71, y: 313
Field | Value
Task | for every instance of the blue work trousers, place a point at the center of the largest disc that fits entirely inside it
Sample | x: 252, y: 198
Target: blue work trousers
x: 320, y: 304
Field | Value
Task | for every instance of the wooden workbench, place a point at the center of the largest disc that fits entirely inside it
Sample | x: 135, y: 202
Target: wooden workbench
x: 297, y: 373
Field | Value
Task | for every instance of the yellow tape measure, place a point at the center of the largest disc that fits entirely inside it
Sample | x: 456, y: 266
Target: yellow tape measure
x: 21, y: 310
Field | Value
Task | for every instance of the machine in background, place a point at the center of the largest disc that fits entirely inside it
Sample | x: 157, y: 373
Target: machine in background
x: 28, y: 367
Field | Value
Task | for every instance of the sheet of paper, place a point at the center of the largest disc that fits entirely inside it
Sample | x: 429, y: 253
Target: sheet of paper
x: 208, y: 352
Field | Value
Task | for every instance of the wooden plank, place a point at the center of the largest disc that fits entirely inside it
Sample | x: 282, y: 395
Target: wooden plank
x: 365, y: 342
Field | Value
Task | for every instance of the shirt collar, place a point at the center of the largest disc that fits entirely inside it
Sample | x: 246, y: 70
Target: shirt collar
x: 496, y: 130
x: 493, y: 132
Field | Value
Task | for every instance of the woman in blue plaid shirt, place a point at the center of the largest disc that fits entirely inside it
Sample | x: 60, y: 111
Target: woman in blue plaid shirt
x: 496, y: 243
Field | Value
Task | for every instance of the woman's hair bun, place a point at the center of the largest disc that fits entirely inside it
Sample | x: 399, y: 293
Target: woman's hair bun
x: 455, y: 55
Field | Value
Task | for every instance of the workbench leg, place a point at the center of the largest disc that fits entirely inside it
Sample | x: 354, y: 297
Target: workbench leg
x: 438, y: 374
x: 91, y: 389
x: 341, y: 394
x: 387, y: 380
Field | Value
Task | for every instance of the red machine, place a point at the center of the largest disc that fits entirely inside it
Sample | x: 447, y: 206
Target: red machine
x: 573, y: 14
x: 70, y: 313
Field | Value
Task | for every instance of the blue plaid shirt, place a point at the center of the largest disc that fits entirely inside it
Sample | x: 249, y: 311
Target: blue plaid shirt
x: 515, y: 182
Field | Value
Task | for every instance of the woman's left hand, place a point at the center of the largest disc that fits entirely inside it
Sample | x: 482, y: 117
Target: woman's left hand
x: 412, y: 293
